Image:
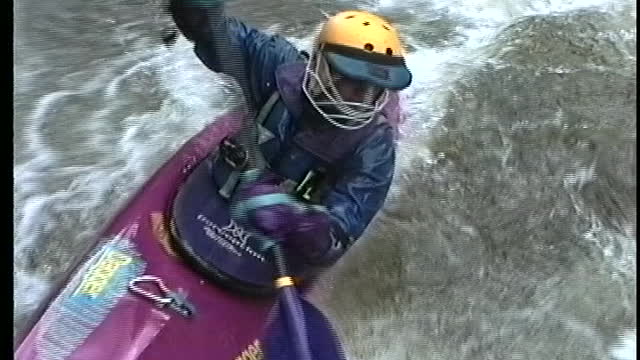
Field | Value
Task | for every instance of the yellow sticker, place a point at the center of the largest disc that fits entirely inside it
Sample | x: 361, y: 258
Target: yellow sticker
x: 103, y: 272
x: 252, y: 352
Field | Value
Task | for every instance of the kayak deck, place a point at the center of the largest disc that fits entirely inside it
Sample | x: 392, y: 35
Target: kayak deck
x: 224, y: 325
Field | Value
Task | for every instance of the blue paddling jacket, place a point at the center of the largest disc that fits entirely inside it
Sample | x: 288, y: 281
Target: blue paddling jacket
x: 363, y: 171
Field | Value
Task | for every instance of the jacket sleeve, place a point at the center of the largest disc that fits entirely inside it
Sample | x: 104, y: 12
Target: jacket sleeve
x: 260, y: 54
x: 360, y: 191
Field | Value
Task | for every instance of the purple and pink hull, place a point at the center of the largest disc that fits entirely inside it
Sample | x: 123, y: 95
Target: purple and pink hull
x: 225, y: 325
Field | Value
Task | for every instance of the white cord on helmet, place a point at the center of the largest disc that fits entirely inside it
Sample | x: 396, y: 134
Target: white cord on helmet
x: 355, y: 115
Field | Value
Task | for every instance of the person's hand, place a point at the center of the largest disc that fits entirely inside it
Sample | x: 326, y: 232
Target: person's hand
x: 301, y: 227
x: 281, y: 217
x: 310, y: 233
x: 261, y: 204
x: 190, y: 17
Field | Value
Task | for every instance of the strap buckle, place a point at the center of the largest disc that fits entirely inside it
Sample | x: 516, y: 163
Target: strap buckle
x: 308, y: 189
x: 233, y: 153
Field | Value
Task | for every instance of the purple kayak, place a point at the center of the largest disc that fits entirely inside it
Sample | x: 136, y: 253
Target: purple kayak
x: 135, y: 296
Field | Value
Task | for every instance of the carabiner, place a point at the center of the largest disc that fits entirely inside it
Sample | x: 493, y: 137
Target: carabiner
x: 167, y: 297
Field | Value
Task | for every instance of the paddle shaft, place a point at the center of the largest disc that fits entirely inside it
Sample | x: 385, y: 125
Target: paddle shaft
x: 234, y: 64
x: 291, y: 308
x: 248, y: 137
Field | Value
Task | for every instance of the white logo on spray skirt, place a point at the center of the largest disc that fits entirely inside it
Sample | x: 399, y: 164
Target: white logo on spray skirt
x: 231, y: 237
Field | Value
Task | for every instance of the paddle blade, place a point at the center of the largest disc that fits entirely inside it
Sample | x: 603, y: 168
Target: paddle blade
x: 299, y: 331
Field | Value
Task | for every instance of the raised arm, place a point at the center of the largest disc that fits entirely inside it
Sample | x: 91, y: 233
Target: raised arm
x: 247, y: 54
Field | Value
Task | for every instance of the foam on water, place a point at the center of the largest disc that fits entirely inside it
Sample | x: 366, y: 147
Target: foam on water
x: 124, y: 160
x: 435, y: 70
x: 30, y: 284
x: 626, y: 348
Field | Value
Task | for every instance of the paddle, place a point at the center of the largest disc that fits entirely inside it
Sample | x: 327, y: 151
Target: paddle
x: 286, y: 336
x: 293, y: 319
x: 298, y: 330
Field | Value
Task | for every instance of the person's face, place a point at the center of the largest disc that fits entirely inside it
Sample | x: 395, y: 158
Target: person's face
x: 356, y: 90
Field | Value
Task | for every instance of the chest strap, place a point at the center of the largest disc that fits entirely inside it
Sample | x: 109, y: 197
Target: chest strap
x: 229, y: 149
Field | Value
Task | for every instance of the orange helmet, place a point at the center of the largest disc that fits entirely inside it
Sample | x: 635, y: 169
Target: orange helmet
x: 358, y: 58
x: 364, y: 46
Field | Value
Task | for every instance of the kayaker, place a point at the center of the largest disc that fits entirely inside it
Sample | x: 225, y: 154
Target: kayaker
x: 328, y: 134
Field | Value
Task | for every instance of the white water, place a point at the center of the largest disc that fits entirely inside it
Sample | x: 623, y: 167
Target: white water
x: 626, y: 349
